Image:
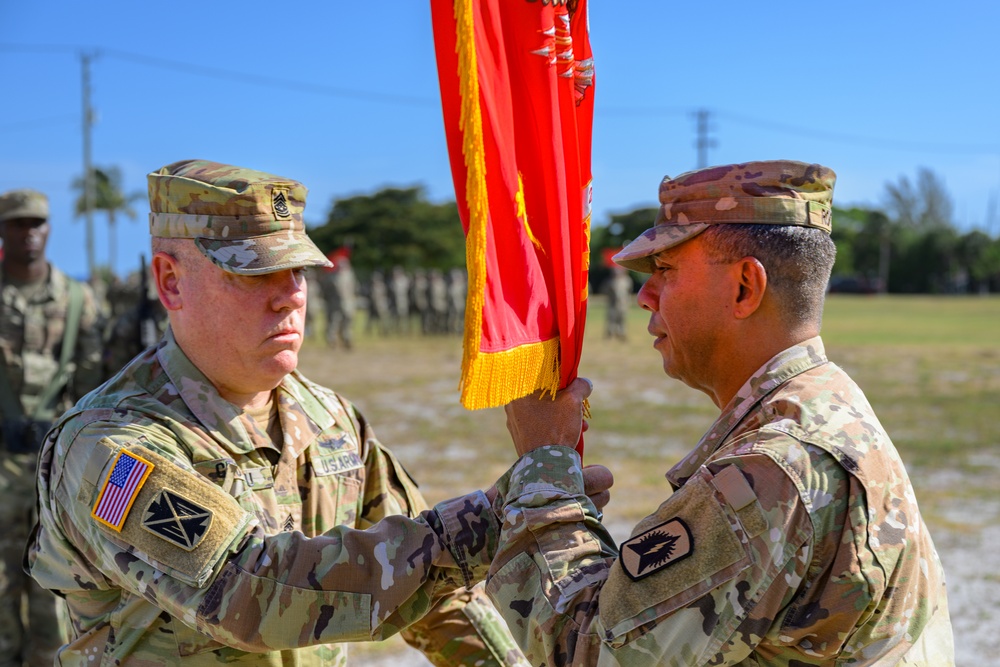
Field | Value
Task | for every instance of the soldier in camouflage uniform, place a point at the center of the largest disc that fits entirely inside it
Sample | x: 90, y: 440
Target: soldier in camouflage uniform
x: 792, y: 536
x: 37, y: 384
x: 137, y: 327
x: 212, y: 505
x: 618, y: 289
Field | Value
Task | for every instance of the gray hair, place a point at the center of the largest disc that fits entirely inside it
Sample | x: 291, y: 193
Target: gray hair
x: 798, y: 262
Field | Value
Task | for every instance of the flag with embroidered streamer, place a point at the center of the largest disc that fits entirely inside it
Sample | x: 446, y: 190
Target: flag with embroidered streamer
x: 516, y: 79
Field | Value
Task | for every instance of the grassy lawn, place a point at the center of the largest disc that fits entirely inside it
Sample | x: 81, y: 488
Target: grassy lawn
x: 930, y: 367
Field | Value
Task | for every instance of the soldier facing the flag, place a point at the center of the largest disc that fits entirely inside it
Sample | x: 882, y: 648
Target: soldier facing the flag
x: 792, y: 535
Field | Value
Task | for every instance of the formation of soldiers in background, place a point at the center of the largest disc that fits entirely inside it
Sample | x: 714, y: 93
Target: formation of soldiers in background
x: 397, y: 302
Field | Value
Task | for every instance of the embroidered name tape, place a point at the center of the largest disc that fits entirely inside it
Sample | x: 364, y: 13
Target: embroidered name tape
x: 128, y: 474
x: 337, y: 463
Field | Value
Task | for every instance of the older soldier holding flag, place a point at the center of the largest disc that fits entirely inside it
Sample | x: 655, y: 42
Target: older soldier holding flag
x: 209, y: 504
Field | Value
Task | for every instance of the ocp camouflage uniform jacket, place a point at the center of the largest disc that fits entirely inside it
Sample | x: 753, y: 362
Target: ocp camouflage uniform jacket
x: 31, y: 336
x: 793, y: 538
x: 224, y: 557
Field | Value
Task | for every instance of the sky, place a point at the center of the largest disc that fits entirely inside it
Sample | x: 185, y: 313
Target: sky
x: 343, y: 96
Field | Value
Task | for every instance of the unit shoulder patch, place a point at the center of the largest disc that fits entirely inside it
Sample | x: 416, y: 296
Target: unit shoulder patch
x: 176, y: 519
x: 656, y: 548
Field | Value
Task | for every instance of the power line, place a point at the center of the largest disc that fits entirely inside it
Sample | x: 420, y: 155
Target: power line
x: 811, y: 133
x: 39, y: 122
x: 233, y: 75
x: 426, y: 102
x: 867, y: 142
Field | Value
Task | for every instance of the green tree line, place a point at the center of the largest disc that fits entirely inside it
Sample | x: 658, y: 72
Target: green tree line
x: 909, y: 244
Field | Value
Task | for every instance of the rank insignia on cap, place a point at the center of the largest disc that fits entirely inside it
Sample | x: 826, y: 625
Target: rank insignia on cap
x: 177, y: 520
x: 128, y: 474
x: 280, y: 204
x: 656, y: 548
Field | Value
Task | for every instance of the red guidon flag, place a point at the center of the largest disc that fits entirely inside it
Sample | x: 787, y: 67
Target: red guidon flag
x: 517, y: 94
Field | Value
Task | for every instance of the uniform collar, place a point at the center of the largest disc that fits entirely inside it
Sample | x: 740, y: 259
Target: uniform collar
x: 219, y: 416
x: 778, y: 370
x: 302, y: 419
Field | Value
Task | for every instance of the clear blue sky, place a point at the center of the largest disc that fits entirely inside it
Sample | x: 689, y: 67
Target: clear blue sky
x: 343, y: 97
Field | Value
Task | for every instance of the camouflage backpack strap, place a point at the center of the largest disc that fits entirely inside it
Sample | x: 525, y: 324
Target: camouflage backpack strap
x: 46, y: 403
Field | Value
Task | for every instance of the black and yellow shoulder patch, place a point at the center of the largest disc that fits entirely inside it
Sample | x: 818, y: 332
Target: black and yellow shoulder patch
x: 656, y: 548
x: 177, y: 519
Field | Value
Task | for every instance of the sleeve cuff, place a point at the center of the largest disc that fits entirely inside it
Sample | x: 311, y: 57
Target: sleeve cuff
x: 543, y: 475
x: 471, y: 533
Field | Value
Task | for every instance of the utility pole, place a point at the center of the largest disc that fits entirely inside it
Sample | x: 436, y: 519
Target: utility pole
x: 703, y: 142
x: 88, y: 172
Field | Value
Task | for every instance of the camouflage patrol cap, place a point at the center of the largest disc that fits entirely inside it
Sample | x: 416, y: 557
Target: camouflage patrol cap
x: 23, y: 203
x: 770, y: 192
x: 245, y: 221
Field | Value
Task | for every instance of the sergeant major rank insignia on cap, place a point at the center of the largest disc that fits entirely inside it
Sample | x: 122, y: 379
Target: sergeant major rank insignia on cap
x: 656, y: 548
x: 279, y: 201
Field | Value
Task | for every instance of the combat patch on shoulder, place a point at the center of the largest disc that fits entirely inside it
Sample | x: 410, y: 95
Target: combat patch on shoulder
x: 128, y: 474
x: 656, y: 548
x: 686, y: 548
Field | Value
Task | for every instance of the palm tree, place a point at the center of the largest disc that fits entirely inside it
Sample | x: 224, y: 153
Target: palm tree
x: 108, y: 197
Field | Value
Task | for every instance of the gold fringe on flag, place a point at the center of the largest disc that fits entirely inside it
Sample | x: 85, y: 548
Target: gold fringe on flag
x: 489, y: 379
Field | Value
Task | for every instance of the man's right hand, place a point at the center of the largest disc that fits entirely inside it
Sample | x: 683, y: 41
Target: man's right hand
x: 536, y: 420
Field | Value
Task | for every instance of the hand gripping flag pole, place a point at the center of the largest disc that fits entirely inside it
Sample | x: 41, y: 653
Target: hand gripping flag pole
x: 517, y: 96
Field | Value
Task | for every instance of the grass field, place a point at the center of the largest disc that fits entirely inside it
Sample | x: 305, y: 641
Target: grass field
x: 930, y: 367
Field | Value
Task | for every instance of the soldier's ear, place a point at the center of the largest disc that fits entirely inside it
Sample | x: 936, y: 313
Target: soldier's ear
x: 752, y: 279
x: 166, y: 276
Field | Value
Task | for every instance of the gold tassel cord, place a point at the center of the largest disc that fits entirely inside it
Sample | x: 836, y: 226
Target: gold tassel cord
x: 475, y: 188
x: 500, y: 377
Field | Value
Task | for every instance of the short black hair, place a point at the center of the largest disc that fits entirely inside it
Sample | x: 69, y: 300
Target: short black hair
x: 798, y: 261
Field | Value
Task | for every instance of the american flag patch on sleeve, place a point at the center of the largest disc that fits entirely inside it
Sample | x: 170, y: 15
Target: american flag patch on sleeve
x: 121, y: 488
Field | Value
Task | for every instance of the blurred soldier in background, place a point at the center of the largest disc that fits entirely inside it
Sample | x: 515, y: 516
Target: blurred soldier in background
x: 378, y: 305
x: 399, y: 296
x: 457, y: 287
x: 137, y: 327
x: 340, y: 298
x: 437, y: 290
x: 419, y: 299
x: 618, y: 288
x: 316, y: 310
x: 50, y: 355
